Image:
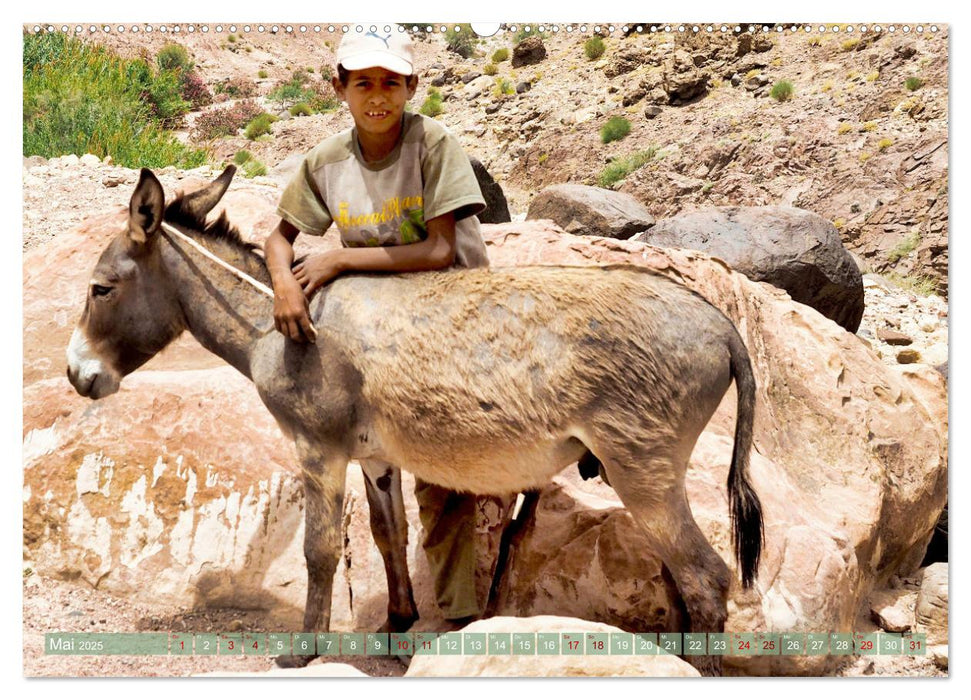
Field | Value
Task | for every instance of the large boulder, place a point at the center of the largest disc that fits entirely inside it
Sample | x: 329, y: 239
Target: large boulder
x: 543, y: 665
x: 497, y: 209
x: 591, y: 211
x: 793, y: 249
x: 527, y: 52
x: 932, y: 606
x: 850, y: 462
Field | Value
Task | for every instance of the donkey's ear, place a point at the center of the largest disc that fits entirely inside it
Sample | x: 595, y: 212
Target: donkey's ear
x: 145, y: 209
x: 201, y: 202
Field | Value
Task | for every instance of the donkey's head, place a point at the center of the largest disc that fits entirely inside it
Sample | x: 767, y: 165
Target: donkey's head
x: 132, y: 309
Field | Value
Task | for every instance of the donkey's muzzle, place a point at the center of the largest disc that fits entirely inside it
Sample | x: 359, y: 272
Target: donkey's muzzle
x: 88, y: 375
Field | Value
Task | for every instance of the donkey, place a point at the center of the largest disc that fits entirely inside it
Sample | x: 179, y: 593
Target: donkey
x: 488, y: 381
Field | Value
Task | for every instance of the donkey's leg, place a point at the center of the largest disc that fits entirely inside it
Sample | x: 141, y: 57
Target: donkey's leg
x: 656, y: 498
x: 323, y: 484
x: 389, y: 527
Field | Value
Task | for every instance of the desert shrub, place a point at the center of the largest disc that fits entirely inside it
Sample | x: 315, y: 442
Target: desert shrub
x: 460, y: 39
x: 231, y: 38
x: 844, y: 128
x: 904, y: 248
x: 870, y: 126
x: 301, y: 109
x: 194, y: 90
x: 500, y: 55
x: 490, y: 69
x: 850, y: 44
x: 503, y: 87
x: 241, y: 157
x: 253, y: 168
x: 297, y: 89
x: 324, y: 103
x: 884, y: 144
x: 225, y: 121
x: 173, y: 57
x: 782, y: 91
x: 615, y: 129
x: 913, y: 84
x: 432, y: 106
x: 235, y: 88
x: 594, y: 47
x: 258, y: 126
x: 79, y: 99
x: 620, y: 168
x: 262, y: 75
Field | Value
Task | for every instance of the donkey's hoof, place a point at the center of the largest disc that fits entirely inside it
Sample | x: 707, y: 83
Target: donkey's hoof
x: 398, y: 623
x: 293, y: 661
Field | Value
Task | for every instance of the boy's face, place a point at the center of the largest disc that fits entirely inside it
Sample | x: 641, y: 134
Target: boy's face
x: 376, y: 98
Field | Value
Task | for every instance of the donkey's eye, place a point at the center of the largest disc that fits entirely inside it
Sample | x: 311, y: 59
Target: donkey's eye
x: 99, y: 290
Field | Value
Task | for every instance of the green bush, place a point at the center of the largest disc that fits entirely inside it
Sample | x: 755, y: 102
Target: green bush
x: 782, y: 91
x: 594, y: 48
x: 620, y: 168
x: 242, y: 157
x: 259, y: 126
x: 460, y: 39
x: 253, y: 168
x: 262, y: 75
x: 225, y: 121
x: 615, y: 129
x: 500, y: 55
x: 80, y: 98
x: 503, y: 87
x: 174, y: 57
x: 235, y: 87
x: 432, y: 106
x: 490, y: 69
x: 301, y: 109
x: 297, y: 89
x: 913, y: 84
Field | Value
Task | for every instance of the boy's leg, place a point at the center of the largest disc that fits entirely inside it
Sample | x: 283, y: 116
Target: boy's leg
x: 448, y: 519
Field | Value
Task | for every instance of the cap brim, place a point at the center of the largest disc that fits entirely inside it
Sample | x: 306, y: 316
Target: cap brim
x: 377, y: 59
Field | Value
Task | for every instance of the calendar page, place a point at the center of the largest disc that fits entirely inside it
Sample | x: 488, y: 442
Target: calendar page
x: 431, y: 349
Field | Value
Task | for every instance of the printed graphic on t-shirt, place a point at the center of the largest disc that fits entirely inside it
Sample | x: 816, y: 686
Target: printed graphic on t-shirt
x: 401, y: 220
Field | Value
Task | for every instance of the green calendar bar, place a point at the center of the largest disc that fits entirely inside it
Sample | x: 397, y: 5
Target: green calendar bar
x: 450, y: 644
x: 426, y: 643
x: 669, y: 643
x: 598, y: 643
x: 744, y: 644
x: 866, y: 644
x: 645, y: 643
x: 817, y: 644
x: 720, y: 643
x: 571, y: 644
x: 254, y: 644
x: 524, y: 643
x: 353, y: 644
x: 106, y: 644
x: 841, y: 644
x: 206, y: 644
x: 621, y: 643
x: 402, y: 644
x: 378, y: 644
x: 328, y: 644
x: 278, y: 644
x: 548, y: 643
x: 695, y: 644
x: 500, y: 644
x: 792, y: 644
x: 768, y: 644
x: 915, y: 644
x: 891, y: 644
x: 230, y: 643
x: 304, y: 644
x: 180, y: 644
x: 474, y: 643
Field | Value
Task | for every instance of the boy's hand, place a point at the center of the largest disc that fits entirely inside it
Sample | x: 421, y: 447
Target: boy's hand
x: 291, y: 312
x: 317, y: 270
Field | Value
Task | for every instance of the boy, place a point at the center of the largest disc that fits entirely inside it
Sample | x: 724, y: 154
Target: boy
x: 404, y: 196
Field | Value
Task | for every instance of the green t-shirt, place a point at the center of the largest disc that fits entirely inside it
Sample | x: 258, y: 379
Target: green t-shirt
x: 387, y: 202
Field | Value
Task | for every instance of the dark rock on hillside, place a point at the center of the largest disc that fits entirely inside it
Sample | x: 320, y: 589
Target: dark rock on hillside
x: 528, y: 52
x: 591, y: 211
x: 792, y: 249
x: 497, y: 209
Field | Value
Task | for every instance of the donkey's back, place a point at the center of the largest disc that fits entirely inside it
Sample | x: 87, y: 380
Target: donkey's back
x: 492, y: 380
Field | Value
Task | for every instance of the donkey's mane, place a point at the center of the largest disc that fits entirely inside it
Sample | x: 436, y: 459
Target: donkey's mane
x: 220, y: 232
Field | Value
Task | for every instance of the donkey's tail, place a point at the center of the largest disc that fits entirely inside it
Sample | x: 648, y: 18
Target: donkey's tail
x: 744, y: 505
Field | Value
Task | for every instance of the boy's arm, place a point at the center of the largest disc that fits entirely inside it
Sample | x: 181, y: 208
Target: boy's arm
x: 435, y: 252
x: 291, y: 309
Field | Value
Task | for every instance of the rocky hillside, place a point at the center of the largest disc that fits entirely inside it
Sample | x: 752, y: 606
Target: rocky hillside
x: 862, y: 140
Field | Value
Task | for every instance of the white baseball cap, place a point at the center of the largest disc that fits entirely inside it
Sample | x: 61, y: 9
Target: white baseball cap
x: 393, y: 51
